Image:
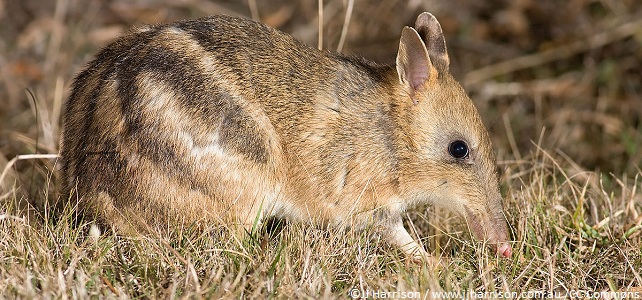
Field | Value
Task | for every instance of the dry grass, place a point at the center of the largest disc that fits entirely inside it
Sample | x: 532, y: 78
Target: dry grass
x: 558, y: 85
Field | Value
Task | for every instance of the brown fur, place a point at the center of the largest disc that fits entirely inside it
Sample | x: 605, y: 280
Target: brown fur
x: 223, y: 120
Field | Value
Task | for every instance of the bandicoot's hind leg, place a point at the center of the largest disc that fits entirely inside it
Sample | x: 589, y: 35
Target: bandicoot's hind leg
x: 250, y: 209
x: 251, y: 217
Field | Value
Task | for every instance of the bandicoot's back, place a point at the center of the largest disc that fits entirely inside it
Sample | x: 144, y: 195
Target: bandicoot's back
x: 223, y: 120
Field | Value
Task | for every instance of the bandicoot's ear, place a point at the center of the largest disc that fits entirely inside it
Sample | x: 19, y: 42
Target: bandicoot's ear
x: 433, y: 37
x: 413, y: 63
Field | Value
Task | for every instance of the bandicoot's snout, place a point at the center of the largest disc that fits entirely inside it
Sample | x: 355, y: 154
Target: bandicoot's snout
x: 490, y: 227
x: 498, y: 240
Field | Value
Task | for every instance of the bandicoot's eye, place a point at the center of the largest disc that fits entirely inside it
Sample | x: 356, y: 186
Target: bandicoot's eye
x: 458, y: 149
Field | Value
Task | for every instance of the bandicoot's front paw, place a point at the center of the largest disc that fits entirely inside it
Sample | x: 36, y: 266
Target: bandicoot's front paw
x: 428, y: 260
x: 421, y: 257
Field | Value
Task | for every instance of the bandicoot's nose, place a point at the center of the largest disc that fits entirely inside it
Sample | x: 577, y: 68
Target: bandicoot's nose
x: 504, y: 250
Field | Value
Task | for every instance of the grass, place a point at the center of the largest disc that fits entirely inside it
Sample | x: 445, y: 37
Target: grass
x: 570, y: 233
x: 567, y: 129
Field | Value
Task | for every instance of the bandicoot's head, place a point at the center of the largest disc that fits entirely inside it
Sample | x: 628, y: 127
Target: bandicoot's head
x: 453, y: 164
